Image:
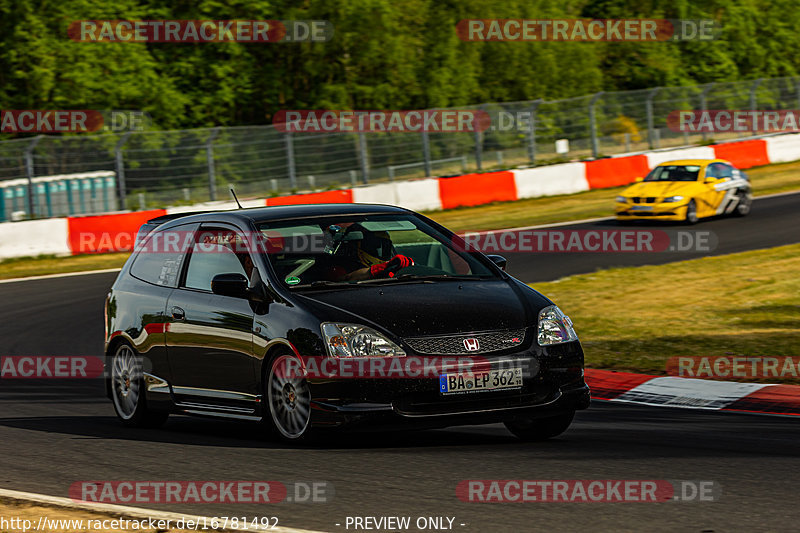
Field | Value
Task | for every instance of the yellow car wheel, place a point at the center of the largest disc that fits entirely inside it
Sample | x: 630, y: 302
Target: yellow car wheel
x: 691, y: 213
x: 743, y: 207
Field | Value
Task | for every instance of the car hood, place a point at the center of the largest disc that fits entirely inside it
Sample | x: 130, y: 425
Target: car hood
x: 431, y: 308
x: 660, y: 189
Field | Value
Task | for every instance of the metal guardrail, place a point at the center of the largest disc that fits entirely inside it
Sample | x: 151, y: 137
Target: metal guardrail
x: 462, y: 159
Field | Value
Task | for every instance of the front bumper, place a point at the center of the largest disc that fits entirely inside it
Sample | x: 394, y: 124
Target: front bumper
x: 671, y: 211
x: 554, y: 385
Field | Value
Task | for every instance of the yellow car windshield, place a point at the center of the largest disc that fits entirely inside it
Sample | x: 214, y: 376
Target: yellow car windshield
x: 674, y: 173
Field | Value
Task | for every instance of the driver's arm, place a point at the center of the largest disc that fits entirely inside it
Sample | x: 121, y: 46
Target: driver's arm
x: 358, y: 275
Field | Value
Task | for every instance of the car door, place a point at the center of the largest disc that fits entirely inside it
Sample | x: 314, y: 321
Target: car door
x: 154, y: 274
x: 210, y: 336
x: 709, y: 200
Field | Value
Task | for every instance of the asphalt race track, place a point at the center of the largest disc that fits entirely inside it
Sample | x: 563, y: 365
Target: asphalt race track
x: 56, y: 432
x: 773, y: 222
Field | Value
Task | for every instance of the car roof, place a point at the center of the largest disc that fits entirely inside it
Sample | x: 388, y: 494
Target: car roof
x: 280, y: 212
x: 699, y: 162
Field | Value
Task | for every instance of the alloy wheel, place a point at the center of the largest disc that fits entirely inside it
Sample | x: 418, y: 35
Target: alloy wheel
x: 289, y: 397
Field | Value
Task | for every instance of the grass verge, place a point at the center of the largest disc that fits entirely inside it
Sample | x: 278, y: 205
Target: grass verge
x: 635, y: 318
x: 23, y: 267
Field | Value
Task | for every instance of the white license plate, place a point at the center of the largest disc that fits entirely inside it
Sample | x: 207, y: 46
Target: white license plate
x: 460, y: 383
x: 642, y: 208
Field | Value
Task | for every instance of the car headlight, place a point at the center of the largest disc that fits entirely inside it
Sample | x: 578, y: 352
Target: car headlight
x: 354, y: 340
x: 673, y: 199
x: 555, y: 327
x: 622, y: 200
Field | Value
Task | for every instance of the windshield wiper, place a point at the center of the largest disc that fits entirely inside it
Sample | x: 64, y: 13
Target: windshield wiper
x: 434, y: 277
x: 323, y: 283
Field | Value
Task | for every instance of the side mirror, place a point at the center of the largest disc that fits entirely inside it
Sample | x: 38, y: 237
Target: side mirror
x: 234, y: 285
x: 639, y: 179
x: 499, y: 260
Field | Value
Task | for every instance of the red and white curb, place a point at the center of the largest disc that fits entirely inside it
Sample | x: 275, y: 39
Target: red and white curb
x: 128, y: 512
x: 691, y: 393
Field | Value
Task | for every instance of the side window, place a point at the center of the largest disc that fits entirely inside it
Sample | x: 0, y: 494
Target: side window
x: 158, y: 260
x: 719, y: 170
x: 725, y: 171
x: 216, y: 251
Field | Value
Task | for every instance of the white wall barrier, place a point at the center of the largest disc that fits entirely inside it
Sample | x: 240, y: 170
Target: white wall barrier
x: 783, y: 148
x: 695, y: 152
x: 34, y: 237
x: 419, y: 195
x: 551, y: 180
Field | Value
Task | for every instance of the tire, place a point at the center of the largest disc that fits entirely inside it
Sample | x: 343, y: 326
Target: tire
x: 127, y: 390
x: 744, y: 205
x: 539, y: 429
x: 288, y: 398
x: 691, y: 213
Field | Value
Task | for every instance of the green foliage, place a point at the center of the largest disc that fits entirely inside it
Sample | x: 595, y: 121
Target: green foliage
x: 384, y: 54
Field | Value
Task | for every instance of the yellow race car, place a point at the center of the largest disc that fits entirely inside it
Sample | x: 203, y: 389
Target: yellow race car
x: 687, y: 190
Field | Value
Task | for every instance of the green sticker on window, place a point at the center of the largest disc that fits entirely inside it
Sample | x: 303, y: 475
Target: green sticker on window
x: 292, y: 280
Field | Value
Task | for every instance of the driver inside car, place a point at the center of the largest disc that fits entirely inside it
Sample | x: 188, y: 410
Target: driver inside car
x: 366, y: 254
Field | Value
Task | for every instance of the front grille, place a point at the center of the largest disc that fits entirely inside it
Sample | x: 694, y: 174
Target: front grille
x: 635, y: 199
x: 650, y: 200
x: 493, y: 341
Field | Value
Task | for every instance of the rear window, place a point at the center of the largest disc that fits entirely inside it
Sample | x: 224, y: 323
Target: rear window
x: 161, y: 265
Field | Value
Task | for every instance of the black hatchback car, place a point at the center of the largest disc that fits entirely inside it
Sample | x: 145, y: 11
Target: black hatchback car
x: 321, y: 316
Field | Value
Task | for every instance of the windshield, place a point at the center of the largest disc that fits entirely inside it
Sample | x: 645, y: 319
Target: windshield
x: 674, y: 173
x: 359, y: 249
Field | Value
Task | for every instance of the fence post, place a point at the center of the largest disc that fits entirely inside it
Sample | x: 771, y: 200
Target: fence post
x: 753, y: 99
x: 48, y: 199
x: 650, y: 122
x: 703, y: 103
x: 426, y: 153
x: 532, y: 131
x: 290, y: 159
x: 70, y: 200
x: 212, y: 176
x: 797, y: 86
x: 29, y: 172
x: 593, y: 124
x: 363, y: 156
x: 479, y: 145
x: 120, y: 166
